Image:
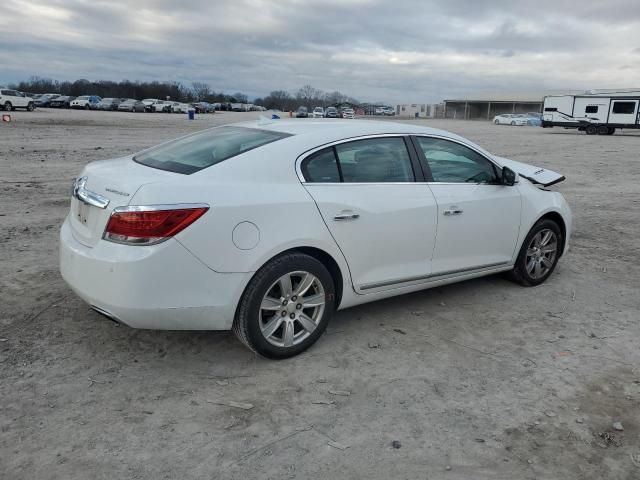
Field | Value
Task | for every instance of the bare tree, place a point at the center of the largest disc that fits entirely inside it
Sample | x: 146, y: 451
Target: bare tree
x: 200, y: 90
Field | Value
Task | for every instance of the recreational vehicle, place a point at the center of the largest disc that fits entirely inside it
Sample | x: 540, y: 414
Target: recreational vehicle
x: 593, y: 113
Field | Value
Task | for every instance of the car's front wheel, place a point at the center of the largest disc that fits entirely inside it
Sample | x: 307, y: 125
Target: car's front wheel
x: 539, y: 254
x: 8, y: 107
x: 30, y: 107
x: 286, y: 306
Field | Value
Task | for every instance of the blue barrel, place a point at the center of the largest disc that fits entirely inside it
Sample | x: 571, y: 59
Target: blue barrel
x: 192, y: 114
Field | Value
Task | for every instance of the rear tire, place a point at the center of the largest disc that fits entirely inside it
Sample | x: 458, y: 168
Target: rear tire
x: 539, y: 254
x: 286, y: 306
x: 8, y: 107
x: 611, y: 131
x: 513, y: 123
x: 496, y: 122
x: 591, y: 130
x: 603, y: 130
x: 86, y: 107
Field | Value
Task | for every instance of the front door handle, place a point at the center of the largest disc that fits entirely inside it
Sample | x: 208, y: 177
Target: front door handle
x: 346, y: 216
x: 452, y: 211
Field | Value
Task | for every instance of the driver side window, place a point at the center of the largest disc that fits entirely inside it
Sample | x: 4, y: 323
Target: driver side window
x: 451, y: 162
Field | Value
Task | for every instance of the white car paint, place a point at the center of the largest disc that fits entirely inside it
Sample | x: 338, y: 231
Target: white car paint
x: 261, y: 206
x: 510, y: 119
x: 11, y: 99
x: 318, y: 112
x: 179, y: 107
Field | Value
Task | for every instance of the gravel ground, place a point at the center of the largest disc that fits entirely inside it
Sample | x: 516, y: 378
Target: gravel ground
x: 483, y: 379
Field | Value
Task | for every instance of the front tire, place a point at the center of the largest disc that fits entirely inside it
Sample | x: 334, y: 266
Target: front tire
x: 30, y: 107
x: 8, y: 107
x: 539, y: 254
x: 286, y: 306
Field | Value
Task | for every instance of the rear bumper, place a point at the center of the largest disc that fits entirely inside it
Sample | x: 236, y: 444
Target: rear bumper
x: 157, y: 287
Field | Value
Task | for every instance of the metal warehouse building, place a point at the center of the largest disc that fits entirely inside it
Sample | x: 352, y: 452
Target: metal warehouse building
x: 486, y: 109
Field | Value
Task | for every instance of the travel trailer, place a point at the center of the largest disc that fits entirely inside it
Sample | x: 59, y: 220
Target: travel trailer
x: 593, y: 113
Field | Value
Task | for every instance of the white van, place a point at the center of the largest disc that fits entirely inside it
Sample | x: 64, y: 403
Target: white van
x: 12, y: 99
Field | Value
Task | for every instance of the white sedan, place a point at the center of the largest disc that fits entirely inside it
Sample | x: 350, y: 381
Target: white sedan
x: 510, y: 119
x: 268, y: 227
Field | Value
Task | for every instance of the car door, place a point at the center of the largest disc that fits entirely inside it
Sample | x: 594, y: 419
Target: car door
x: 478, y: 216
x: 381, y: 217
x: 623, y: 111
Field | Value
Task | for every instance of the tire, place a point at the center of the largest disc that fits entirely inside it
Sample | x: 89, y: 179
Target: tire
x: 513, y: 123
x: 603, y: 130
x: 591, y: 130
x: 496, y: 122
x: 30, y: 107
x: 611, y: 131
x: 268, y: 330
x: 527, y: 273
x: 86, y: 107
x: 7, y: 106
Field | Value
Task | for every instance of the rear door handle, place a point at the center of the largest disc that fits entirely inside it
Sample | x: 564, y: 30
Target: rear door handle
x: 452, y: 211
x: 346, y: 216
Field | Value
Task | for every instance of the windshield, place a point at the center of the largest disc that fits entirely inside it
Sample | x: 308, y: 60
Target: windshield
x: 201, y: 150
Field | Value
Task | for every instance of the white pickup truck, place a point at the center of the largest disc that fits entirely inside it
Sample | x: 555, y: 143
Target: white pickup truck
x: 12, y: 99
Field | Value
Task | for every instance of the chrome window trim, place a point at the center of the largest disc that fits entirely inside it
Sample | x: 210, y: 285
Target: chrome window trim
x: 310, y: 152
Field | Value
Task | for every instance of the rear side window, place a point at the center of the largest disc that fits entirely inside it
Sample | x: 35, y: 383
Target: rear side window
x: 201, y: 150
x: 624, y: 107
x: 591, y: 109
x: 551, y: 109
x: 375, y: 160
x: 321, y: 167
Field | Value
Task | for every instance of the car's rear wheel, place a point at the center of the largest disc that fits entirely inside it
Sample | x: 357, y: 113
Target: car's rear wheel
x: 513, y: 122
x: 591, y: 130
x: 7, y: 106
x: 611, y: 131
x: 539, y: 254
x: 603, y: 130
x: 286, y: 306
x: 497, y: 122
x: 86, y: 107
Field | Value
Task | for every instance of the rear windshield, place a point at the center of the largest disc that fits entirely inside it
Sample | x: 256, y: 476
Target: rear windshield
x: 201, y: 150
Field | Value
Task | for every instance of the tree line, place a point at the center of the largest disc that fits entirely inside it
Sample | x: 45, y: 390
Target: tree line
x: 197, y: 91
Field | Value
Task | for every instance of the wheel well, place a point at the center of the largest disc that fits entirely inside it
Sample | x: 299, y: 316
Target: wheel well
x: 331, y: 265
x: 557, y: 218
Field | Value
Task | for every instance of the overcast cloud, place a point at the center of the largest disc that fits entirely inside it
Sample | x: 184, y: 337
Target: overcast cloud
x: 395, y: 51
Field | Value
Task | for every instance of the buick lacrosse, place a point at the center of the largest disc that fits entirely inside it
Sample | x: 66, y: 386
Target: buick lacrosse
x: 268, y: 227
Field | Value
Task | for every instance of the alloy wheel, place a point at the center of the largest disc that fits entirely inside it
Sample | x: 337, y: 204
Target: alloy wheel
x: 541, y: 253
x: 291, y: 309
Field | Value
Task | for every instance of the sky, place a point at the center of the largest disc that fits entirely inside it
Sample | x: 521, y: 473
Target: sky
x: 396, y: 51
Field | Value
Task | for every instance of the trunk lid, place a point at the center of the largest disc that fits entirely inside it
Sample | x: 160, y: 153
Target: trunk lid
x: 113, y: 181
x: 534, y: 174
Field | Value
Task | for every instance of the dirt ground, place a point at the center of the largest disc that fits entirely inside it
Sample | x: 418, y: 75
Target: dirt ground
x: 483, y: 379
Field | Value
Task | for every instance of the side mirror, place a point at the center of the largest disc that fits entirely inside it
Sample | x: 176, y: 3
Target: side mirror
x: 508, y: 176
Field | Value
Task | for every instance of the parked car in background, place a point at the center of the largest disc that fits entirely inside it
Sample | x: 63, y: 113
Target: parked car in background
x: 162, y: 106
x: 63, y: 101
x: 148, y: 102
x: 388, y: 111
x: 534, y: 119
x: 318, y: 112
x: 302, y: 112
x: 331, y: 112
x: 44, y: 100
x: 131, y: 105
x: 87, y: 102
x: 12, y: 99
x: 203, y: 107
x: 179, y: 107
x: 366, y: 228
x: 109, y: 103
x: 510, y: 119
x: 348, y: 113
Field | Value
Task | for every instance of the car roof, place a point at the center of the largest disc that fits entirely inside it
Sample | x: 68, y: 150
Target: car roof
x: 318, y: 132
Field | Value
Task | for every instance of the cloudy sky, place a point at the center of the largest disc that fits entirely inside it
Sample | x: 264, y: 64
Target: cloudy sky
x: 389, y: 50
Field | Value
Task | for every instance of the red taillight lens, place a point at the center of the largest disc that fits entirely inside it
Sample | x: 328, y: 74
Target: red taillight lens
x: 149, y: 225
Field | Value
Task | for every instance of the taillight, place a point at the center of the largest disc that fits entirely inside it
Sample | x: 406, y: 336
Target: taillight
x: 148, y: 225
